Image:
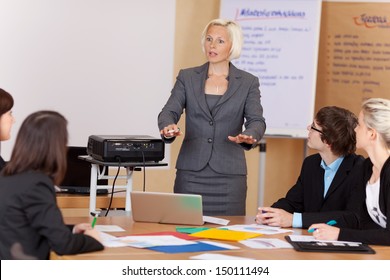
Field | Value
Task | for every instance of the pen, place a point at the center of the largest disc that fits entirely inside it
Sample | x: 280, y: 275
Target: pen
x: 173, y: 130
x: 94, y: 219
x: 330, y: 223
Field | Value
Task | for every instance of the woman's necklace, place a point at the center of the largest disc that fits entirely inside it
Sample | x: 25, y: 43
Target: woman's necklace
x: 219, y: 82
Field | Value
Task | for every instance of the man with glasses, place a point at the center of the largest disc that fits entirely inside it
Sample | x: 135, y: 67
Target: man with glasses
x: 325, y: 183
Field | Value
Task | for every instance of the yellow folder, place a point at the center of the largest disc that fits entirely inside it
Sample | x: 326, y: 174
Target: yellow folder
x: 223, y: 234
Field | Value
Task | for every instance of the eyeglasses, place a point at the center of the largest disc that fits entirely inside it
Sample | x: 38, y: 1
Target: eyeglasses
x: 316, y: 129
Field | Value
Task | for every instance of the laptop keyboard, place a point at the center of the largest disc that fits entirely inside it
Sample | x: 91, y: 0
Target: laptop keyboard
x: 81, y: 190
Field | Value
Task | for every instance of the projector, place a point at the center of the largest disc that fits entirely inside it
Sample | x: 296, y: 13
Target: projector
x: 125, y: 148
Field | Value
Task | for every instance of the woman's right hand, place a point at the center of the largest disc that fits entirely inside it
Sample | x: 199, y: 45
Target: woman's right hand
x: 325, y: 232
x: 170, y: 131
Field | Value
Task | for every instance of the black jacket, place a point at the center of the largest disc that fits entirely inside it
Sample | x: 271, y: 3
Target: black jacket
x: 29, y: 215
x: 2, y: 163
x: 307, y: 195
x: 368, y: 231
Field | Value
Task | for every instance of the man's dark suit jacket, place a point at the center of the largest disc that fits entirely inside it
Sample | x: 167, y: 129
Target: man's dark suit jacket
x: 307, y: 195
x: 29, y: 215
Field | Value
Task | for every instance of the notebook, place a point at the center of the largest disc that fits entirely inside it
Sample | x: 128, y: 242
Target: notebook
x: 167, y: 208
x: 77, y: 179
x: 330, y: 246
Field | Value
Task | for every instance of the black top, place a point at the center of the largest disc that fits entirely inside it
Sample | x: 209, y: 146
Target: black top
x: 2, y: 163
x: 30, y: 216
x: 369, y: 232
x: 307, y: 195
x: 212, y: 100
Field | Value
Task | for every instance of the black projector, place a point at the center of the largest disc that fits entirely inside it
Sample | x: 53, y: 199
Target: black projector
x: 125, y: 148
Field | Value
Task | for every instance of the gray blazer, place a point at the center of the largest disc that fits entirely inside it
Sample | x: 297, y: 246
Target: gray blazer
x: 206, y: 135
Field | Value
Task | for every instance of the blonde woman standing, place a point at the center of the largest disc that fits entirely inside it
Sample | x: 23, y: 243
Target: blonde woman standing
x: 218, y: 99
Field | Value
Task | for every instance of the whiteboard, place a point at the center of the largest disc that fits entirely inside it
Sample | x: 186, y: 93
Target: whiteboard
x: 106, y: 65
x: 281, y: 41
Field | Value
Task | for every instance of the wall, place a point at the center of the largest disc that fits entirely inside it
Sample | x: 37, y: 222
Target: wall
x: 82, y: 58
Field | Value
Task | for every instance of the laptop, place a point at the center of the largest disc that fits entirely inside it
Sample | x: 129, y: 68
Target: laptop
x: 77, y: 179
x: 167, y: 208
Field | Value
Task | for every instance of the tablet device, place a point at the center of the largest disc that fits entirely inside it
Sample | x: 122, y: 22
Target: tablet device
x: 167, y: 208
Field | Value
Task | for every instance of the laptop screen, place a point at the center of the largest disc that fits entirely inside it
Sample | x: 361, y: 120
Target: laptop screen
x: 78, y: 173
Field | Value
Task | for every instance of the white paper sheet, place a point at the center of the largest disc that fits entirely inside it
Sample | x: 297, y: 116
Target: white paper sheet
x: 109, y: 228
x: 151, y: 241
x: 266, y: 243
x: 263, y: 229
x: 214, y: 220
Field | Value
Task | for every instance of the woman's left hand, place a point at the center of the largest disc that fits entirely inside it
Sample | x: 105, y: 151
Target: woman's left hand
x: 242, y: 138
x: 81, y: 228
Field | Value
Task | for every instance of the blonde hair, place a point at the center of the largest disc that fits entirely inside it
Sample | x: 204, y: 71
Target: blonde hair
x: 235, y: 34
x: 376, y: 113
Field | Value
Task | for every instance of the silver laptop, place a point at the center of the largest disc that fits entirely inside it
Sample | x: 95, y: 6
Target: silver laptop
x: 167, y: 208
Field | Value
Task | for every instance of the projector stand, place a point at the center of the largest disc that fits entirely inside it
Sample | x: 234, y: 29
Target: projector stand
x: 97, y: 175
x: 102, y: 213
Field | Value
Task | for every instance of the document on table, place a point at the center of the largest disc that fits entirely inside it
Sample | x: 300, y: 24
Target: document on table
x: 255, y: 228
x: 109, y: 228
x: 109, y: 240
x: 214, y: 220
x: 142, y: 241
x: 153, y: 240
x: 266, y: 243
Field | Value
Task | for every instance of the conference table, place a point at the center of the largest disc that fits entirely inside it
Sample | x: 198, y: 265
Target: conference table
x: 65, y: 201
x: 131, y: 253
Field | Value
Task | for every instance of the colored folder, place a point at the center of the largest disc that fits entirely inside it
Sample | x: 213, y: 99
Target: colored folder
x: 223, y: 234
x: 189, y: 230
x: 198, y: 247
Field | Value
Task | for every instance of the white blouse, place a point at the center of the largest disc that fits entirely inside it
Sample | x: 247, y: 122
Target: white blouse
x: 372, y: 202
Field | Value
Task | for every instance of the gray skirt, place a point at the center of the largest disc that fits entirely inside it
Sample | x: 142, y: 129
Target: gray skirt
x: 222, y: 195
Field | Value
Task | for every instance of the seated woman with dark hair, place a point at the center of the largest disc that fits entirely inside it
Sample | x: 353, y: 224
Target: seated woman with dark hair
x: 6, y: 119
x: 29, y: 214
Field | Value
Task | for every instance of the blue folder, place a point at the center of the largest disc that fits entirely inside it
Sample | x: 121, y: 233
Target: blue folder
x: 198, y: 247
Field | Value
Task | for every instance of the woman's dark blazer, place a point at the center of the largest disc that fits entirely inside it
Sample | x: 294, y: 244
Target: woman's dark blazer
x: 206, y: 135
x: 2, y: 163
x: 30, y: 216
x: 369, y: 232
x: 307, y: 195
